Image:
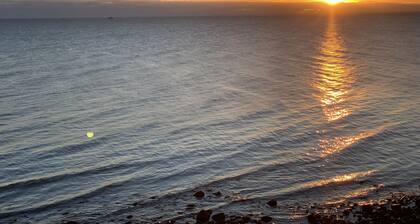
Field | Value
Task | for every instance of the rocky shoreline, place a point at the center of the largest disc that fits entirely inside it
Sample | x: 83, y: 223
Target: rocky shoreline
x: 397, y: 208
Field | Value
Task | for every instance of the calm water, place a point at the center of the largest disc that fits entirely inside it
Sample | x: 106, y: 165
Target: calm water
x: 301, y: 109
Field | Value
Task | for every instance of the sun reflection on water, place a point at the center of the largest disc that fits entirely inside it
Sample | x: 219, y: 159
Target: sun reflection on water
x: 345, y: 178
x: 333, y: 81
x: 333, y: 74
x: 337, y: 144
x: 357, y: 193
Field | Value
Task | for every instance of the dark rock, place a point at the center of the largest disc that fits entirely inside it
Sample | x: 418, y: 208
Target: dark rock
x: 129, y: 217
x: 313, y: 218
x: 203, y: 216
x: 246, y: 219
x: 190, y: 206
x: 266, y: 219
x: 217, y: 194
x: 272, y: 203
x: 398, y: 208
x: 233, y: 219
x: 418, y: 203
x: 346, y: 212
x: 367, y: 209
x: 199, y: 194
x: 219, y: 218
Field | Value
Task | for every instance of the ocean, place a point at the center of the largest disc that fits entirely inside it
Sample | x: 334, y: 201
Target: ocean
x: 301, y: 109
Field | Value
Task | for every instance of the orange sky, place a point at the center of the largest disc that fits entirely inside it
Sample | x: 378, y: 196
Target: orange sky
x: 291, y: 1
x: 286, y: 1
x: 255, y: 1
x: 157, y: 8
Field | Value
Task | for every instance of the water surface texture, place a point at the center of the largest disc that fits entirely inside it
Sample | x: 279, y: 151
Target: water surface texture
x: 297, y: 108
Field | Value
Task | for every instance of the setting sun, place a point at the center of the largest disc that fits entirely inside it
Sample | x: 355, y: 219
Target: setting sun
x: 333, y: 2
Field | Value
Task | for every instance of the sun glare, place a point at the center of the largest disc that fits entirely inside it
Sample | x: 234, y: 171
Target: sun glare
x: 333, y: 2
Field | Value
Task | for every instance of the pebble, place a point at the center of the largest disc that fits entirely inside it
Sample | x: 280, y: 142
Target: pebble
x: 272, y: 203
x: 203, y: 216
x: 266, y: 219
x: 199, y: 194
x: 217, y: 194
x: 219, y: 218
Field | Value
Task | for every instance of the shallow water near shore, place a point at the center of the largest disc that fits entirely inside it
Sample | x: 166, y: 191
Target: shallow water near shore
x: 302, y: 109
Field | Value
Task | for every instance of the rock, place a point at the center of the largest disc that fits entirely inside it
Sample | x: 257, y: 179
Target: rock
x: 129, y: 217
x: 272, y: 203
x: 418, y: 203
x: 233, y: 219
x: 313, y: 218
x: 346, y: 212
x: 367, y: 209
x: 396, y: 207
x: 190, y: 206
x: 266, y: 219
x: 199, y: 194
x: 219, y: 218
x: 246, y: 219
x: 203, y: 216
x: 217, y: 194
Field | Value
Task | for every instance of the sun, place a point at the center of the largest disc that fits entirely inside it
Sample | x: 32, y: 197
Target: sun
x: 333, y: 2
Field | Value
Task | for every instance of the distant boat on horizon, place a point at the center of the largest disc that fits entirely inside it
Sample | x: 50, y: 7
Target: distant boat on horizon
x: 110, y: 17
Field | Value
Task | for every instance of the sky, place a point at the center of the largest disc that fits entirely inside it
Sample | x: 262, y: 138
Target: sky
x: 159, y: 8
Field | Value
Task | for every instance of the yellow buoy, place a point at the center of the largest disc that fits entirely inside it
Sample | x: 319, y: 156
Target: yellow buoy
x: 90, y: 134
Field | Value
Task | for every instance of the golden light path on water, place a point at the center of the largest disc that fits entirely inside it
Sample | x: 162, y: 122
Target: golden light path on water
x: 336, y: 144
x: 361, y: 192
x: 334, y: 80
x: 334, y: 77
x: 340, y: 179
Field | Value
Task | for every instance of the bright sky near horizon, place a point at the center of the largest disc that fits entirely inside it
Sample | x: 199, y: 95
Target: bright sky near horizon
x: 147, y: 8
x: 286, y: 1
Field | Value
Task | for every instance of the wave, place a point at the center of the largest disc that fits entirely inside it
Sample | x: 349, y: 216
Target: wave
x: 79, y: 195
